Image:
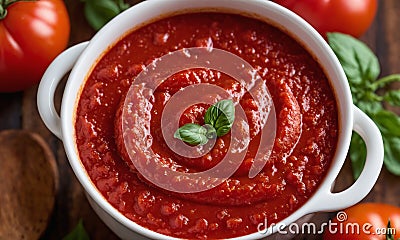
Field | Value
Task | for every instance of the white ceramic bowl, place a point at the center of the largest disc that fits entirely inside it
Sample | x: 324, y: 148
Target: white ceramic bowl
x: 82, y: 57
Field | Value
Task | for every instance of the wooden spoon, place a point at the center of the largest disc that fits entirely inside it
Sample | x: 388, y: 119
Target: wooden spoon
x: 28, y: 184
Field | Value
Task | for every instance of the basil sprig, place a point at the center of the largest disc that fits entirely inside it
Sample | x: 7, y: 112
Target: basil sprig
x: 221, y: 116
x: 218, y: 121
x: 99, y: 12
x: 369, y: 92
x: 192, y: 133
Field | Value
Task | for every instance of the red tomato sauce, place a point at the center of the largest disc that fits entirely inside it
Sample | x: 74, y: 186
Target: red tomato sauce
x: 306, y: 136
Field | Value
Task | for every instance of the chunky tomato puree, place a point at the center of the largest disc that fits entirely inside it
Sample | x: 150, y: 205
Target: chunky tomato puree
x: 306, y: 131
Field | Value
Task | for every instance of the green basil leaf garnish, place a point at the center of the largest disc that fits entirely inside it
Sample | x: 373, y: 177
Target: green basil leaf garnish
x: 193, y: 134
x: 218, y: 122
x: 221, y: 116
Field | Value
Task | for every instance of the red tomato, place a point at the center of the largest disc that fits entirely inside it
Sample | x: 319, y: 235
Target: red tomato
x: 371, y: 219
x: 346, y: 16
x: 32, y: 34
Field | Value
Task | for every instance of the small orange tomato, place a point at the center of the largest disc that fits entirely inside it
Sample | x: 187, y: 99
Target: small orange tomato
x: 367, y: 221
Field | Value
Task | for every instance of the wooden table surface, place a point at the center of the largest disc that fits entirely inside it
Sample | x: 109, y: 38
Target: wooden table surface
x: 19, y: 111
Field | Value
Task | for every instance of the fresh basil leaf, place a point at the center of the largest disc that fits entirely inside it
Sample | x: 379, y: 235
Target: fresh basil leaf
x: 392, y: 153
x: 218, y: 122
x: 221, y: 116
x: 369, y: 107
x: 122, y: 5
x: 389, y: 125
x: 358, y: 154
x: 392, y: 97
x: 79, y: 233
x: 192, y: 133
x: 358, y: 61
x: 362, y: 70
x: 387, y: 122
x: 99, y: 12
x: 211, y: 132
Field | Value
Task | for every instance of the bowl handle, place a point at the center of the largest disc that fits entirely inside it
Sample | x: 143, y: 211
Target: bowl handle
x: 372, y: 137
x: 60, y: 66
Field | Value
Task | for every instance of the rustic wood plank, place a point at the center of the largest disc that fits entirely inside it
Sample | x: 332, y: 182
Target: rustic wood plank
x: 10, y: 110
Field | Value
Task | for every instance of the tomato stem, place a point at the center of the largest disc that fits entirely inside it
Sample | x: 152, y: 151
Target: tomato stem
x: 4, y: 4
x: 3, y: 10
x: 9, y: 2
